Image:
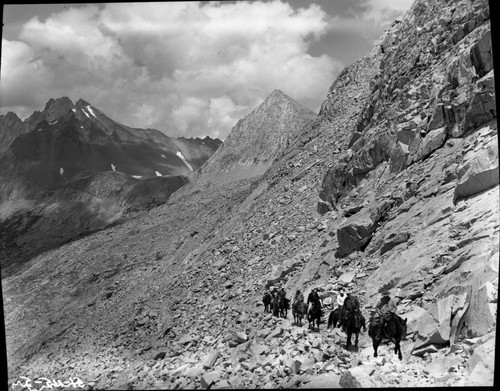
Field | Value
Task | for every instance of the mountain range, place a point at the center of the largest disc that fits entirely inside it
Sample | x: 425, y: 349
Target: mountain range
x: 69, y: 141
x: 70, y: 170
x: 392, y: 185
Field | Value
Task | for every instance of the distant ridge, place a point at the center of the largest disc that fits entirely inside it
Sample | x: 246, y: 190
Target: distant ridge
x: 67, y: 141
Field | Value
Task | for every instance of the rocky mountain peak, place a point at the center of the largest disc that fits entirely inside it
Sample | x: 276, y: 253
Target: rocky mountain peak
x: 82, y: 103
x: 275, y: 97
x: 10, y: 118
x: 56, y: 108
x: 261, y: 136
x: 11, y: 126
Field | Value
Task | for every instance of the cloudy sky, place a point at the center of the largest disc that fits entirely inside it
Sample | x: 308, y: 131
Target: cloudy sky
x: 188, y: 69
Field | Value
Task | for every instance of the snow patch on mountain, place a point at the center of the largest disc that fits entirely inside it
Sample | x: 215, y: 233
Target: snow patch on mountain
x: 91, y: 111
x: 181, y: 156
x: 84, y: 112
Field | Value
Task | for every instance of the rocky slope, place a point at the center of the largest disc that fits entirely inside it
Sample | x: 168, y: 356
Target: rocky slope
x: 387, y: 189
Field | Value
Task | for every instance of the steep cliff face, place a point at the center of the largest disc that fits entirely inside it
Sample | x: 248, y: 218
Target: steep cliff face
x: 435, y: 82
x: 12, y: 127
x: 422, y: 165
x: 403, y: 160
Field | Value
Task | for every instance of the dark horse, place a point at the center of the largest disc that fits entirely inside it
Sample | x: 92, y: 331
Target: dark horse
x: 285, y: 306
x: 281, y: 305
x: 267, y: 299
x: 314, y: 315
x: 395, y: 330
x: 299, y: 309
x: 334, y: 318
x: 352, y: 325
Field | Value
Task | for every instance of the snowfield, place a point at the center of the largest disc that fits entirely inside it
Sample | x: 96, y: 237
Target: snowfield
x: 181, y: 156
x: 91, y: 111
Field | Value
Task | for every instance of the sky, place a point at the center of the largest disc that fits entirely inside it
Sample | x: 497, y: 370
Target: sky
x: 190, y: 69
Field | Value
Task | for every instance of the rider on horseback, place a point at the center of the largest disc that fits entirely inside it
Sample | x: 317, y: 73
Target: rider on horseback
x: 385, y: 309
x: 314, y: 309
x: 341, y: 297
x: 281, y: 292
x: 267, y: 300
x: 351, y: 307
x: 299, y: 297
x: 313, y: 298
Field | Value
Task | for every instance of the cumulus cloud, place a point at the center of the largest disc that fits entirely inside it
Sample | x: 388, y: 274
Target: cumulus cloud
x: 383, y: 12
x: 24, y: 77
x: 185, y: 68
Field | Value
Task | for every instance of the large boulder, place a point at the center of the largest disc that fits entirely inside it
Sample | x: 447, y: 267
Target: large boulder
x: 460, y: 307
x: 433, y: 140
x: 434, y: 327
x: 483, y: 105
x: 481, y: 314
x: 393, y: 240
x: 479, y: 170
x: 279, y: 272
x: 325, y: 380
x: 347, y: 277
x: 481, y: 364
x: 356, y: 377
x: 336, y: 182
x: 481, y: 55
x: 373, y: 152
x: 356, y: 232
x: 413, y: 318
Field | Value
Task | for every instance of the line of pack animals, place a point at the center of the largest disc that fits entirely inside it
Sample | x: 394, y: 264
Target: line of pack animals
x: 384, y: 323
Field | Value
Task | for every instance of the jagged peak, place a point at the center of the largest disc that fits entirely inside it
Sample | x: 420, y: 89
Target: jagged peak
x: 82, y: 103
x: 59, y: 102
x: 10, y: 116
x: 277, y: 95
x: 278, y: 98
x: 56, y: 108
